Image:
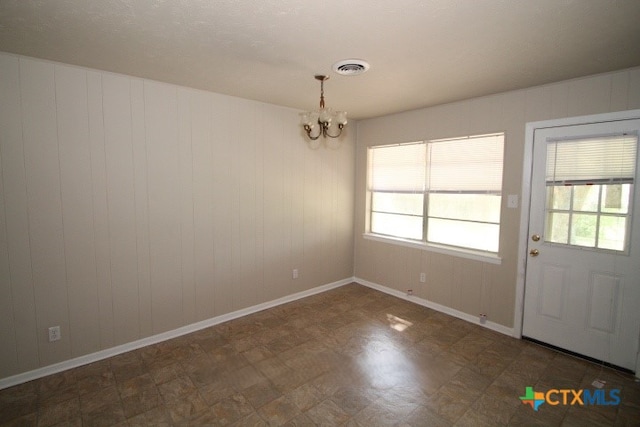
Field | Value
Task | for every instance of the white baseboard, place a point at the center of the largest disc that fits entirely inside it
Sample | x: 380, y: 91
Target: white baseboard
x: 114, y: 351
x: 438, y: 307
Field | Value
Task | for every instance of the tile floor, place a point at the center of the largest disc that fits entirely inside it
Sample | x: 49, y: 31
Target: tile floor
x: 351, y: 356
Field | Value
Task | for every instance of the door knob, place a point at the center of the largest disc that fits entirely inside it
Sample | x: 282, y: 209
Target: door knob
x: 534, y: 252
x: 535, y: 237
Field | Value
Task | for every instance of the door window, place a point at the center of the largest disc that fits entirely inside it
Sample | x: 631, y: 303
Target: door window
x: 589, y: 186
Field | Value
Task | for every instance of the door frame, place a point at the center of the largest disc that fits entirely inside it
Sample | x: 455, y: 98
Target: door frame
x: 527, y: 169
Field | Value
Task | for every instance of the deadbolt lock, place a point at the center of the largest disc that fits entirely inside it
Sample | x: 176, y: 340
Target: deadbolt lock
x: 535, y: 237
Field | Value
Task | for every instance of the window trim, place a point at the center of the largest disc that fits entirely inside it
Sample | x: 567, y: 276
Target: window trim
x: 488, y: 257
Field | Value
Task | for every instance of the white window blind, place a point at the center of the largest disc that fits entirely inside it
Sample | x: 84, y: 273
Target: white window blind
x: 593, y: 159
x: 398, y: 168
x: 471, y: 164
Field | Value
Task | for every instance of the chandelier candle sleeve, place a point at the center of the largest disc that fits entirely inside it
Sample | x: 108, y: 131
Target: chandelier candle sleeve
x: 341, y: 117
x: 325, y: 116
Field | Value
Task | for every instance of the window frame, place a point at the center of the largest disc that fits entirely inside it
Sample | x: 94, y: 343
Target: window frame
x: 423, y: 243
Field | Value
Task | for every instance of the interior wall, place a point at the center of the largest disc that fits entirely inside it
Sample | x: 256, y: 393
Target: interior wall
x: 466, y: 285
x: 130, y: 207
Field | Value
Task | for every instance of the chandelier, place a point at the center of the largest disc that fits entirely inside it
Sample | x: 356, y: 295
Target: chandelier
x: 324, y: 119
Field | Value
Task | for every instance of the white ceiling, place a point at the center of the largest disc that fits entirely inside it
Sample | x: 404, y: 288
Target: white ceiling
x: 422, y: 52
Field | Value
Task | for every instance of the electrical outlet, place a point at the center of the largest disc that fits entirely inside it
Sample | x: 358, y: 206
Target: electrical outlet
x: 483, y: 318
x: 294, y: 274
x: 54, y: 333
x: 423, y: 277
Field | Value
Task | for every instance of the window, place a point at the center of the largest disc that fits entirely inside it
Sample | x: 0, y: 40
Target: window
x: 589, y: 186
x: 446, y: 192
x: 397, y: 183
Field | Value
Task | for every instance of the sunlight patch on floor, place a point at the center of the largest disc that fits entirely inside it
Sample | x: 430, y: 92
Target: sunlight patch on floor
x: 397, y: 323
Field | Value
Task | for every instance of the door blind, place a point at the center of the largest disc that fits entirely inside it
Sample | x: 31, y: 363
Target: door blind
x: 600, y: 159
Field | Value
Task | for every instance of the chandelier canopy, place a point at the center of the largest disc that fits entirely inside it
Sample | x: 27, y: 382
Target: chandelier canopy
x: 328, y: 123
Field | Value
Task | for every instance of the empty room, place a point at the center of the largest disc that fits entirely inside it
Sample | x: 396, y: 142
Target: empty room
x: 284, y: 212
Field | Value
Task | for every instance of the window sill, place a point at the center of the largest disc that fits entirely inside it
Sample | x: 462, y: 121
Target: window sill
x: 457, y: 252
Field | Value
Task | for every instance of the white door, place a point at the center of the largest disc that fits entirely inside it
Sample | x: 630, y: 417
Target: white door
x: 582, y: 283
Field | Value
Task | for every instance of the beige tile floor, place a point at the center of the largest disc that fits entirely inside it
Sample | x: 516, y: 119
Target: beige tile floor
x: 351, y: 356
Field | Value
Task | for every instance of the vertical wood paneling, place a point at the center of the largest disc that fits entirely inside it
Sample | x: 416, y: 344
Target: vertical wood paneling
x: 346, y: 205
x: 248, y: 274
x: 163, y: 162
x: 413, y: 269
x: 538, y: 103
x: 311, y: 207
x: 186, y: 208
x: 292, y: 147
x: 403, y: 277
x: 633, y: 96
x: 441, y: 273
x: 385, y: 268
x: 320, y: 212
x: 275, y: 214
x: 130, y: 207
x: 8, y: 352
x: 325, y: 211
x: 100, y: 208
x: 460, y: 283
x: 121, y: 208
x: 37, y: 84
x: 501, y: 277
x: 269, y: 197
x: 559, y: 102
x: 589, y: 95
x: 289, y: 138
x: 343, y: 211
x: 206, y: 265
x: 139, y: 152
x: 234, y: 182
x: 297, y: 149
x: 423, y: 289
x: 485, y: 291
x: 468, y: 284
x: 483, y: 113
x: 77, y: 208
x: 512, y: 115
x: 260, y: 139
x: 222, y: 192
x: 619, y: 91
x: 21, y: 350
x: 448, y: 117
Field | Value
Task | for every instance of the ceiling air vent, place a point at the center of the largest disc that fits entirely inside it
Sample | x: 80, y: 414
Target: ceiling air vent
x: 350, y: 67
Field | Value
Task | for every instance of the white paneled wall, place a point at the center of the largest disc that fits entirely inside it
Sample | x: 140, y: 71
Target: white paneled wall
x: 130, y: 207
